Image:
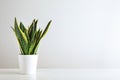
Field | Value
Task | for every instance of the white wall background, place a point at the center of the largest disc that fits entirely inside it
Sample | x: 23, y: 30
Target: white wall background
x: 83, y: 34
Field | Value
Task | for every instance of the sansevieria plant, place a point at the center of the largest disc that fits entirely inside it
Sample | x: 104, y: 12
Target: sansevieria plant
x: 29, y: 38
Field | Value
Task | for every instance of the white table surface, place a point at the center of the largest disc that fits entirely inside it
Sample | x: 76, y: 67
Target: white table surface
x: 62, y: 74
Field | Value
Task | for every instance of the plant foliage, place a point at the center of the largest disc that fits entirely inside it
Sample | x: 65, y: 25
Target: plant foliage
x: 29, y: 38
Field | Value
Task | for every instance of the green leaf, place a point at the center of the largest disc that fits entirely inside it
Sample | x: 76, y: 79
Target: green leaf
x: 32, y: 29
x: 21, y: 38
x: 38, y: 38
x: 46, y: 29
x: 35, y: 25
x: 22, y: 27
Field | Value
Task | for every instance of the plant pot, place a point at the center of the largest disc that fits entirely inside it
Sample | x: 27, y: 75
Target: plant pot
x: 28, y: 64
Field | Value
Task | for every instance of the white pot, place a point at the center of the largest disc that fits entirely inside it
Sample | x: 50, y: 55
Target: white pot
x: 28, y: 64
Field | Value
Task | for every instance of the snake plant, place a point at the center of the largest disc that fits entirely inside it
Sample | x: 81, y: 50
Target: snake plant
x: 29, y: 38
